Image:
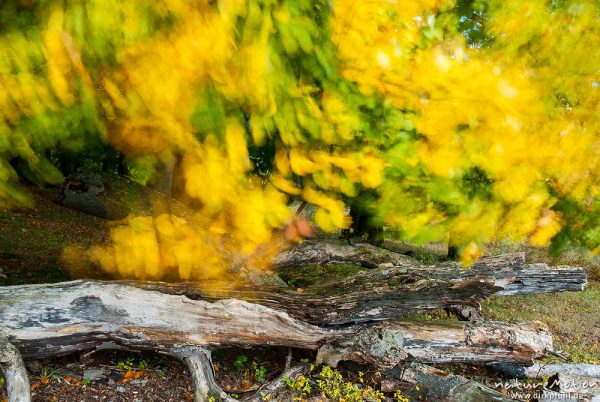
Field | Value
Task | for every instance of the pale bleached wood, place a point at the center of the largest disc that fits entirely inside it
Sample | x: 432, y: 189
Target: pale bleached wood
x: 50, y: 320
x: 199, y: 364
x: 580, y: 369
x: 391, y: 342
x: 15, y: 374
x: 54, y: 319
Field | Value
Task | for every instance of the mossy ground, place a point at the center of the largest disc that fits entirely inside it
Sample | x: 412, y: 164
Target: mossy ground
x: 32, y: 240
x: 573, y: 318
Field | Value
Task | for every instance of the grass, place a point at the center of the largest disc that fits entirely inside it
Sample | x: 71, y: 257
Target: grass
x: 573, y: 318
x: 32, y: 240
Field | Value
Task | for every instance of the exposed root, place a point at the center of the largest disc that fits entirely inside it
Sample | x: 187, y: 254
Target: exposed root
x: 15, y: 374
x: 199, y: 363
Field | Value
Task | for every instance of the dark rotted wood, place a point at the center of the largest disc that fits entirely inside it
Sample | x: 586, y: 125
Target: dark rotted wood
x: 50, y: 320
x: 465, y: 313
x: 398, y: 287
x: 508, y: 271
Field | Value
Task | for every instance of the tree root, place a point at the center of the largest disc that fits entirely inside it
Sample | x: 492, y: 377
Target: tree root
x: 15, y: 374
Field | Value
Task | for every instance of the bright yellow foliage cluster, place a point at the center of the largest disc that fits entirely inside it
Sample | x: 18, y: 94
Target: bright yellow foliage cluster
x: 492, y: 109
x: 481, y: 140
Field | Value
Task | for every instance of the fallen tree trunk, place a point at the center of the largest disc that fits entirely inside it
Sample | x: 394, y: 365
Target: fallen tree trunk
x: 49, y: 320
x: 508, y: 271
x: 399, y: 287
x: 57, y: 319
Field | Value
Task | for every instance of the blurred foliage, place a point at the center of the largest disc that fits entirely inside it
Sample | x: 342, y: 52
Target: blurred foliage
x: 477, y: 118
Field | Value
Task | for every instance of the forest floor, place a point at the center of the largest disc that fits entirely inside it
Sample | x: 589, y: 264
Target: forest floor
x: 32, y: 242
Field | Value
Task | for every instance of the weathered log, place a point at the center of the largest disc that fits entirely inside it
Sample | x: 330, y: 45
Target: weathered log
x: 545, y: 370
x: 391, y: 342
x: 57, y: 319
x: 508, y: 271
x: 437, y: 385
x: 48, y: 320
x: 390, y: 291
x: 325, y: 251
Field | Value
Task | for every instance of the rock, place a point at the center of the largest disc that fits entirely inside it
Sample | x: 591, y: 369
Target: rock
x: 111, y: 381
x: 507, y: 370
x: 120, y: 389
x: 94, y: 374
x: 115, y: 376
x: 138, y: 381
x: 83, y: 192
x: 113, y: 197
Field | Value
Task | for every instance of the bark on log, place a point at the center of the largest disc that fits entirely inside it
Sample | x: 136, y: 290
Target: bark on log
x: 465, y: 313
x: 399, y: 287
x: 325, y: 251
x: 49, y: 320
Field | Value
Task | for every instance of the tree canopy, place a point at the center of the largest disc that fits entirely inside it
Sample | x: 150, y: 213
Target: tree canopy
x: 475, y: 119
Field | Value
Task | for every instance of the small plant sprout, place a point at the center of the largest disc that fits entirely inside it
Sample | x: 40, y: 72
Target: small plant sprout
x: 239, y: 362
x: 260, y: 372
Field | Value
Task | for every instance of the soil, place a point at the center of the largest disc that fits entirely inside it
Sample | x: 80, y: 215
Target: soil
x: 128, y: 376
